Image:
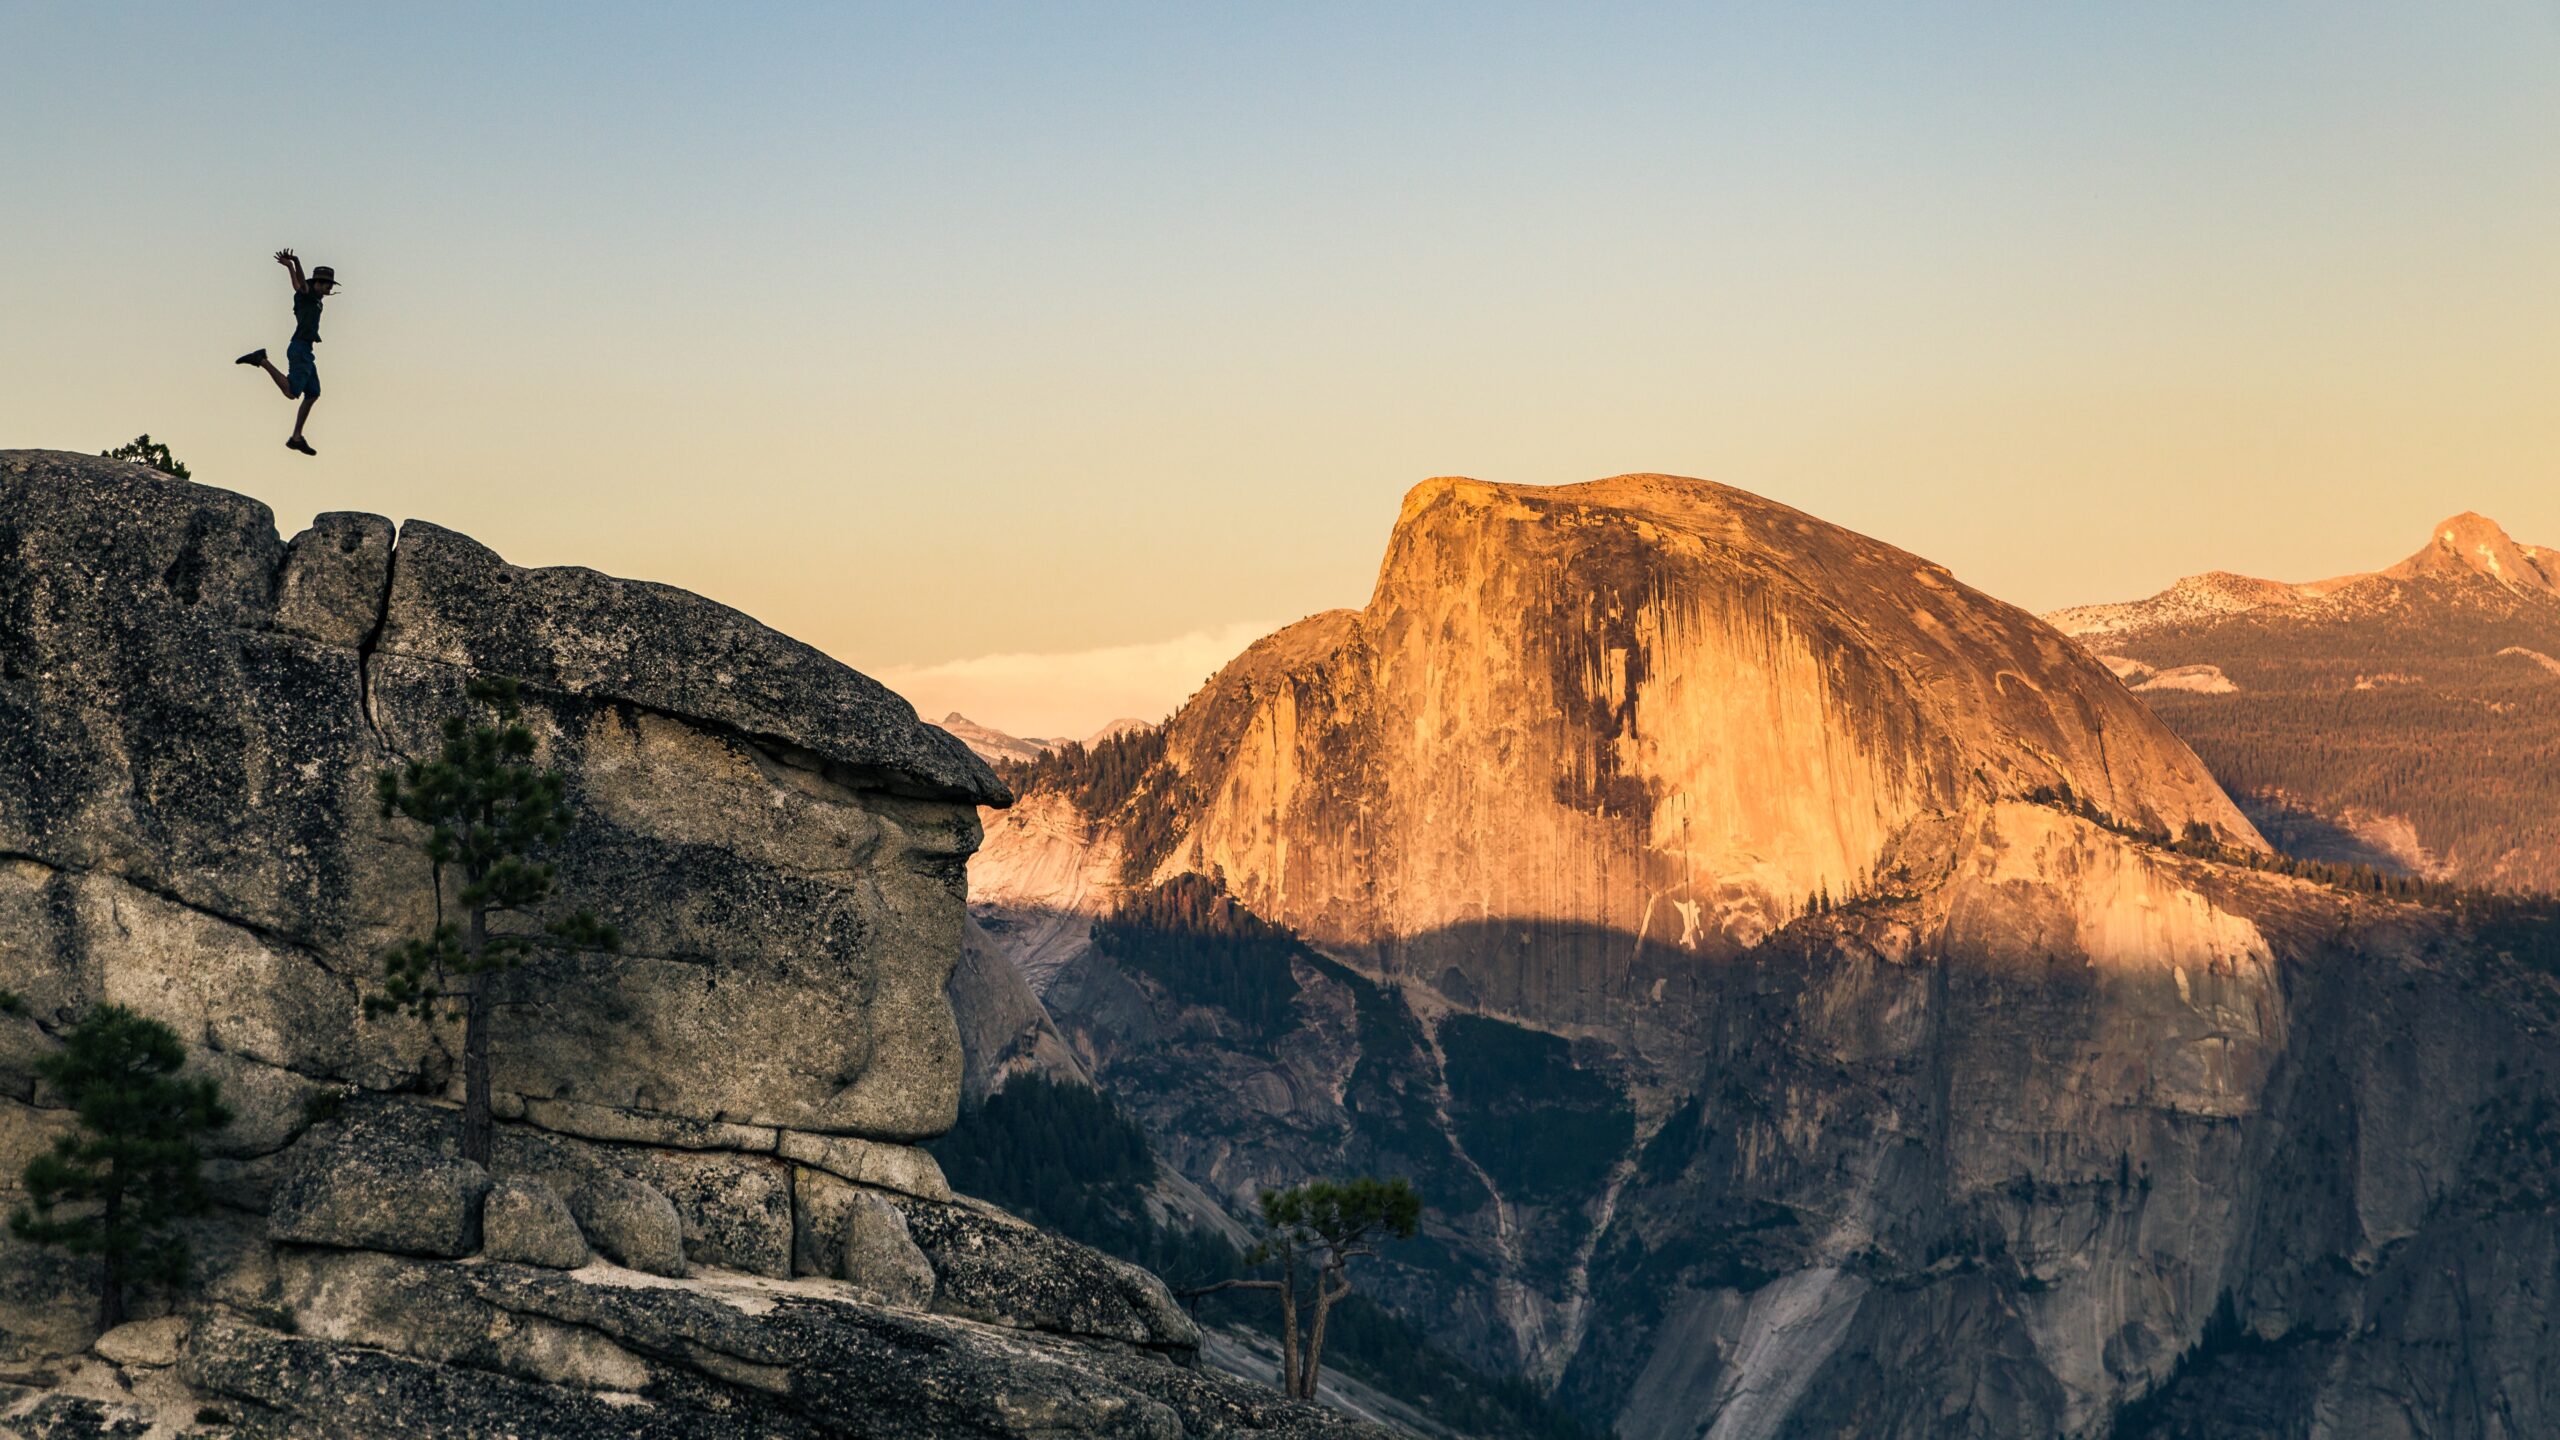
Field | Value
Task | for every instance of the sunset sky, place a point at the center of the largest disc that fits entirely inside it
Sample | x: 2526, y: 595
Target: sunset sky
x: 1033, y: 357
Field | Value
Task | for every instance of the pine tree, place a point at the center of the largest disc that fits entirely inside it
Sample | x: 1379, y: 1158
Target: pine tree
x: 1327, y: 1224
x: 132, y: 1167
x: 143, y: 450
x: 488, y: 809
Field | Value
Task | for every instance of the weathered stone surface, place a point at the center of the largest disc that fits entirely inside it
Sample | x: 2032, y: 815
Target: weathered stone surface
x: 143, y: 1342
x: 903, y: 1168
x: 634, y: 1127
x: 735, y: 1209
x: 386, y: 1178
x: 527, y: 1222
x: 269, y: 1104
x: 455, y: 602
x: 631, y: 1223
x: 335, y: 578
x: 989, y: 1266
x: 74, y: 1417
x: 856, y: 1235
x: 880, y: 1253
x: 395, y: 1348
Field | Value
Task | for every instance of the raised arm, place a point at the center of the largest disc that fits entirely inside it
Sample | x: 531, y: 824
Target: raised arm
x: 292, y: 264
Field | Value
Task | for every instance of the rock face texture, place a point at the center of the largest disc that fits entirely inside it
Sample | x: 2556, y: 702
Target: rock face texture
x: 1814, y: 999
x: 192, y: 711
x: 1651, y: 706
x: 2403, y: 719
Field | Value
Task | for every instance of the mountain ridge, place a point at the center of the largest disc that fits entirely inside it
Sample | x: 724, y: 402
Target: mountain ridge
x: 2465, y: 546
x: 2396, y: 717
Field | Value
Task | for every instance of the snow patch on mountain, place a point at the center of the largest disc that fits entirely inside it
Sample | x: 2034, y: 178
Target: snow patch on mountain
x: 2201, y: 679
x: 994, y: 745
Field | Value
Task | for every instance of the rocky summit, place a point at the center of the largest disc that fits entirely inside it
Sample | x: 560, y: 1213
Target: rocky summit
x: 1813, y: 997
x: 706, y: 1214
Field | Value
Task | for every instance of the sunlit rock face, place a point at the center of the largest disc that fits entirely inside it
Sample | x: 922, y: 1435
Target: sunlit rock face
x: 1654, y: 707
x: 1763, y: 952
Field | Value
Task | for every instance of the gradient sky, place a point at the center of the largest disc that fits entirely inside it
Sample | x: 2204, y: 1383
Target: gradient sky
x: 935, y: 332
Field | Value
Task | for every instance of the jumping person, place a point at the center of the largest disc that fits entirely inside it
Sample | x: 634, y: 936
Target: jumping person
x: 301, y: 377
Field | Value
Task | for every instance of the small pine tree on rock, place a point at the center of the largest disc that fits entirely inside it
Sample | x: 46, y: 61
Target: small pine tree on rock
x: 143, y: 450
x: 1325, y: 1224
x: 113, y: 1188
x: 488, y: 809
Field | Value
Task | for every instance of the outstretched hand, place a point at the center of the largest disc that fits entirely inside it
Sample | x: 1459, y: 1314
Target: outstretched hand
x: 285, y: 256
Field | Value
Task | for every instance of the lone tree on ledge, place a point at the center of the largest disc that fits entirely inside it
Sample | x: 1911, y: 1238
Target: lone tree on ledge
x: 488, y: 809
x: 132, y: 1168
x: 1328, y: 1224
x: 143, y: 450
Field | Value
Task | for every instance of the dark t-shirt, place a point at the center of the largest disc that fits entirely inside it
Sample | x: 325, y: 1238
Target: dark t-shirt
x: 306, y: 317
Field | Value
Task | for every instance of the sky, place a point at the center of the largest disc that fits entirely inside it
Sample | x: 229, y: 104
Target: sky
x: 1025, y: 356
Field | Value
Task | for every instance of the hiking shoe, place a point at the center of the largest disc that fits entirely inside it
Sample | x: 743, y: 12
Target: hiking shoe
x: 298, y: 443
x: 254, y: 357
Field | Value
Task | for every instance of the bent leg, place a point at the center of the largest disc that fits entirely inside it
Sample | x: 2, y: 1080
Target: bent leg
x: 276, y: 375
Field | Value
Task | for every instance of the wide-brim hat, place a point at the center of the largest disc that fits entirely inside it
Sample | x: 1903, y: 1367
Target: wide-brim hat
x: 324, y: 275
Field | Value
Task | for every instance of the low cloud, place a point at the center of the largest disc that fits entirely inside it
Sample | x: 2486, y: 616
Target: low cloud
x: 1077, y: 692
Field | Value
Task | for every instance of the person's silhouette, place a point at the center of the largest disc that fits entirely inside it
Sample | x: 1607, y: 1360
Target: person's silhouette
x: 301, y: 379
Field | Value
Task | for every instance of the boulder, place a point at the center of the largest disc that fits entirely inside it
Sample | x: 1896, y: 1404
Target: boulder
x: 855, y: 1235
x: 734, y: 1209
x: 989, y: 1266
x: 903, y: 1168
x: 148, y: 1343
x: 632, y: 1224
x: 387, y: 1178
x: 527, y: 1222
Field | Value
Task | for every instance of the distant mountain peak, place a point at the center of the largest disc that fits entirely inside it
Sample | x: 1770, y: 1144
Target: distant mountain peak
x: 1122, y: 726
x: 992, y: 744
x: 2468, y: 546
x: 2473, y: 544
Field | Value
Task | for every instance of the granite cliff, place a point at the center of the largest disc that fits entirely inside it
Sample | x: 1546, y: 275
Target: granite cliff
x: 707, y: 1214
x: 1815, y: 998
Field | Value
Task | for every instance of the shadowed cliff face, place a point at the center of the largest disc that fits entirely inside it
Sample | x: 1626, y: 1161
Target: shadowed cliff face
x: 1646, y: 705
x: 1762, y: 952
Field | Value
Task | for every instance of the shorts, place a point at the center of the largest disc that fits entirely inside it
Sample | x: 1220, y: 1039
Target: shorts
x: 302, y: 373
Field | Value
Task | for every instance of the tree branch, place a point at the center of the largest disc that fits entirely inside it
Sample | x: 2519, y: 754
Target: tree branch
x: 1226, y: 1285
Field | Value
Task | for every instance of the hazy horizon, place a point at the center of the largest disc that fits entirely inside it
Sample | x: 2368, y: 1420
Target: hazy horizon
x: 946, y: 338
